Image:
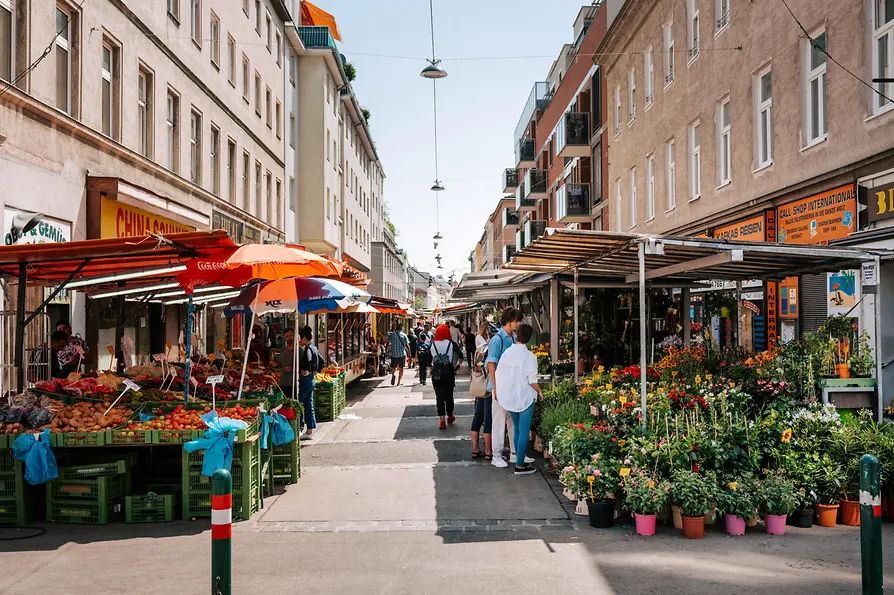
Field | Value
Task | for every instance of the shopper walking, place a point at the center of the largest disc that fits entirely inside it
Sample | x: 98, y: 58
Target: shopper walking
x: 483, y: 334
x: 423, y: 353
x: 482, y: 421
x: 443, y: 374
x: 398, y: 350
x: 470, y: 347
x: 309, y: 363
x: 499, y: 343
x: 517, y: 379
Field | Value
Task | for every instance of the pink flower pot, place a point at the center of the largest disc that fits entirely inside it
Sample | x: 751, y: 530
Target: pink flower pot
x: 776, y: 524
x: 735, y: 525
x: 645, y: 523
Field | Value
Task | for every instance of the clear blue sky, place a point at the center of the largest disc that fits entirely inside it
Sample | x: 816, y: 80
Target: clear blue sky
x: 478, y: 104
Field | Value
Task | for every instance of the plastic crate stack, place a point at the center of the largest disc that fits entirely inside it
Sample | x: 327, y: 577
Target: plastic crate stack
x: 90, y: 494
x: 13, y: 503
x: 285, y: 460
x: 329, y: 399
x: 157, y: 506
x: 246, y: 473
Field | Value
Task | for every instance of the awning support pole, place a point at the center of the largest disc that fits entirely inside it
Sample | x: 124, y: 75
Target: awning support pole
x: 576, y: 319
x: 187, y: 343
x: 685, y: 317
x: 555, y: 314
x: 20, y: 328
x: 880, y: 406
x: 119, y: 331
x: 248, y: 343
x: 739, y: 314
x: 643, y: 367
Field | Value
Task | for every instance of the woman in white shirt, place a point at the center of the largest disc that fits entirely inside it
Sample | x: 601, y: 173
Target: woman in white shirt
x: 517, y: 378
x: 483, y: 335
x: 445, y: 356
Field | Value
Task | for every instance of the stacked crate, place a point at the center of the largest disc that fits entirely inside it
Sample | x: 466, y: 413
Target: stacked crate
x: 13, y: 502
x: 90, y: 494
x: 329, y: 399
x: 285, y: 460
x: 157, y: 506
x: 246, y: 474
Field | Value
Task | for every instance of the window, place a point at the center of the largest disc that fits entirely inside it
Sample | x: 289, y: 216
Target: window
x: 269, y: 31
x: 195, y: 21
x: 63, y: 48
x: 173, y: 126
x: 650, y: 187
x: 195, y: 147
x: 278, y: 49
x: 214, y: 34
x: 631, y: 95
x: 619, y: 198
x: 246, y: 78
x: 214, y: 157
x: 671, y: 176
x: 278, y: 203
x: 145, y: 89
x: 328, y: 144
x: 883, y: 52
x: 174, y: 9
x: 245, y: 7
x: 111, y: 86
x: 721, y: 9
x: 258, y: 17
x: 693, y: 24
x: 268, y: 107
x: 328, y: 88
x: 7, y: 39
x: 648, y: 72
x: 269, y: 213
x: 258, y: 182
x: 695, y: 161
x: 815, y: 96
x: 293, y: 195
x: 258, y: 93
x: 632, y: 197
x: 724, y: 158
x: 668, y: 54
x: 246, y: 180
x: 231, y: 170
x: 617, y: 110
x: 293, y: 68
x: 328, y: 204
x: 764, y: 117
x: 231, y: 60
x: 278, y: 119
x: 293, y: 129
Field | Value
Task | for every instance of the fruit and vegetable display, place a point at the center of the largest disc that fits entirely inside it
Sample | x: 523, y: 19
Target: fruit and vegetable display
x: 88, y: 417
x: 27, y: 412
x: 183, y: 418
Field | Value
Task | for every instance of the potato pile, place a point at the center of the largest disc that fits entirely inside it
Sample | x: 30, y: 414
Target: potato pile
x: 87, y: 417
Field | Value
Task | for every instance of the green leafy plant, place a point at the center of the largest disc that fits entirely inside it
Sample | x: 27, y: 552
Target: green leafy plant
x: 693, y: 492
x: 778, y: 493
x: 829, y: 481
x: 861, y: 363
x: 601, y: 474
x: 574, y: 480
x: 645, y: 492
x: 737, y: 498
x: 350, y: 71
x: 562, y: 414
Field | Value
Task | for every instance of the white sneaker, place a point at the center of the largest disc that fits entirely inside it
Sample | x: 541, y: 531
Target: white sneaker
x: 527, y: 460
x: 499, y: 462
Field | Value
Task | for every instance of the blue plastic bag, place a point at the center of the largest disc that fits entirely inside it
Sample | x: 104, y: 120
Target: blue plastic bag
x: 40, y: 462
x: 218, y: 442
x: 145, y: 417
x: 276, y: 429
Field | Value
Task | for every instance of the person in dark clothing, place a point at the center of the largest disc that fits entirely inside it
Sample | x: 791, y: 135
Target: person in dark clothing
x: 309, y: 363
x: 470, y: 347
x: 58, y: 343
x: 257, y: 348
x: 423, y: 350
x: 286, y: 362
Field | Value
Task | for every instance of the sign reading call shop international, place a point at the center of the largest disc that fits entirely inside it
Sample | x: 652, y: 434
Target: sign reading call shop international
x: 120, y: 220
x: 820, y: 218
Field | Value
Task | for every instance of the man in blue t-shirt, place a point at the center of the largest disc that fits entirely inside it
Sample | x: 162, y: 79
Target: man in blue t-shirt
x: 499, y: 343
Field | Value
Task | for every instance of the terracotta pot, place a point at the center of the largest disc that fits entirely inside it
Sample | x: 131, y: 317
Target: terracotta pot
x: 844, y: 371
x: 826, y: 514
x: 693, y: 527
x: 567, y: 493
x: 735, y: 525
x: 645, y: 523
x: 850, y: 513
x: 776, y: 524
x: 677, y: 514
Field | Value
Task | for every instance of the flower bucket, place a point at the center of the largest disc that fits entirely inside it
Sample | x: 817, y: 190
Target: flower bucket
x: 693, y: 527
x: 844, y: 371
x: 645, y: 523
x: 776, y: 524
x: 677, y: 514
x: 850, y: 513
x: 735, y: 525
x: 826, y: 515
x: 568, y: 494
x: 801, y: 518
x: 581, y: 508
x: 602, y: 514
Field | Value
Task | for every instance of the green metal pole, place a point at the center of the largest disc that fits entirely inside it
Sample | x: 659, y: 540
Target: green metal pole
x: 871, y: 526
x: 221, y: 533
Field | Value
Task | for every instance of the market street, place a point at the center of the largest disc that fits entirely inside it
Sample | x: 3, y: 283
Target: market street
x: 388, y: 503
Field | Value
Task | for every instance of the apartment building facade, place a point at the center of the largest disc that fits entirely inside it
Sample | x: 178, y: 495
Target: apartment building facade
x: 389, y: 271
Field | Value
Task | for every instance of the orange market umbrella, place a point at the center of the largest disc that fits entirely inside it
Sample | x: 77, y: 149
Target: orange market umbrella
x: 235, y: 267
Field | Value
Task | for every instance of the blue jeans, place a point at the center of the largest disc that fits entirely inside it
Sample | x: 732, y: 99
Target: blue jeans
x: 522, y: 424
x: 483, y: 414
x: 306, y: 396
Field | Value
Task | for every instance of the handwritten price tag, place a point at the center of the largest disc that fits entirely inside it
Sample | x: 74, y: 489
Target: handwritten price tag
x: 215, y: 379
x: 193, y: 381
x: 160, y: 357
x: 131, y: 385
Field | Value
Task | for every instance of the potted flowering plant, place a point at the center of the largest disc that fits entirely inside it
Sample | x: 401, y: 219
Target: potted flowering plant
x: 645, y: 496
x: 829, y: 484
x: 574, y: 483
x: 780, y: 498
x: 693, y: 493
x: 602, y: 477
x: 736, y: 501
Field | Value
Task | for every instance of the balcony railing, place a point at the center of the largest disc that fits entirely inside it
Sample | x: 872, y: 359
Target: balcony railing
x: 573, y: 135
x: 669, y: 78
x: 723, y: 21
x: 508, y: 252
x: 523, y: 203
x: 535, y: 184
x: 693, y: 51
x: 533, y: 230
x: 538, y: 99
x: 573, y: 203
x: 520, y: 239
x: 510, y: 217
x: 316, y: 37
x: 524, y: 153
x: 510, y: 179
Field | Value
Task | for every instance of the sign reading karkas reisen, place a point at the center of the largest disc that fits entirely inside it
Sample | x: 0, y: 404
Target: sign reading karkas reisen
x: 881, y: 202
x: 121, y: 220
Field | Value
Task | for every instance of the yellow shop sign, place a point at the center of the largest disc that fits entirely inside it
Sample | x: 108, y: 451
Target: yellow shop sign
x: 119, y: 220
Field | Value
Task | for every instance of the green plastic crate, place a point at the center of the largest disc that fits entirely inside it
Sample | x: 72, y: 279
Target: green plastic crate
x: 14, y: 512
x: 7, y: 462
x: 73, y: 439
x: 155, y: 508
x: 99, y: 488
x: 12, y: 485
x: 118, y: 467
x: 129, y: 437
x: 177, y: 436
x: 246, y: 474
x: 90, y: 512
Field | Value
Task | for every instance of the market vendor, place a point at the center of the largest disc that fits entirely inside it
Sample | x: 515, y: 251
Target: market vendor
x: 286, y: 363
x: 58, y: 342
x: 257, y: 348
x: 75, y: 351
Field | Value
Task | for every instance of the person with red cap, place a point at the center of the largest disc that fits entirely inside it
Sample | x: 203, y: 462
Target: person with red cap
x: 443, y: 376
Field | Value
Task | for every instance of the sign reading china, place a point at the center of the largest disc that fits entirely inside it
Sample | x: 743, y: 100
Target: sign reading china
x: 119, y: 220
x: 749, y: 230
x: 820, y: 218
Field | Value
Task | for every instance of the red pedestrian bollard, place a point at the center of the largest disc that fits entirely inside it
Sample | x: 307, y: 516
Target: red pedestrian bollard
x: 221, y: 533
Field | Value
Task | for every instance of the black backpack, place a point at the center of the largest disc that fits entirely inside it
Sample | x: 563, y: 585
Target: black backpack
x: 316, y: 360
x: 442, y: 370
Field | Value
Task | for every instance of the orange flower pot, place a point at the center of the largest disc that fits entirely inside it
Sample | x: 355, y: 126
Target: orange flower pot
x: 844, y: 371
x: 826, y: 515
x: 850, y: 513
x: 693, y: 527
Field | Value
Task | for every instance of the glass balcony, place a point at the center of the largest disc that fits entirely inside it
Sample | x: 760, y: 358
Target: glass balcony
x: 508, y: 253
x: 522, y: 203
x: 573, y: 135
x: 524, y: 153
x: 533, y: 230
x: 535, y: 184
x: 316, y: 37
x: 520, y: 239
x: 573, y: 203
x: 538, y: 99
x: 510, y: 217
x: 510, y: 179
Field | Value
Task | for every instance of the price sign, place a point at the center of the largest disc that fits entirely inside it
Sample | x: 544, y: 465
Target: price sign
x: 128, y: 385
x: 193, y: 381
x: 215, y: 379
x: 160, y: 357
x: 131, y: 385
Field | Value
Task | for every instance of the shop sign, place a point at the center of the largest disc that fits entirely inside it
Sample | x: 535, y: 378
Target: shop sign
x: 881, y: 202
x: 788, y: 298
x: 771, y: 314
x: 869, y: 274
x: 119, y: 220
x: 749, y: 230
x: 228, y: 224
x: 48, y: 231
x: 752, y: 306
x: 820, y: 218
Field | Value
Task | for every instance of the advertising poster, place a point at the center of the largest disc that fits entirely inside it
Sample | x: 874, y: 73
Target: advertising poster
x: 843, y: 291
